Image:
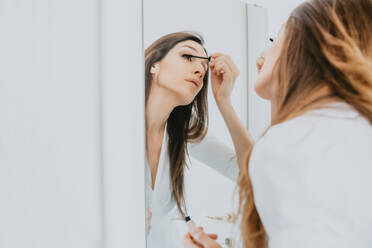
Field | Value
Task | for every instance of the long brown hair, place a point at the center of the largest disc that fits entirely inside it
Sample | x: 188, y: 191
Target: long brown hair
x: 327, y: 48
x: 185, y: 123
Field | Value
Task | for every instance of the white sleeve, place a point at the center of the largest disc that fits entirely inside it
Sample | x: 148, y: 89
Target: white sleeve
x: 216, y: 155
x: 297, y: 196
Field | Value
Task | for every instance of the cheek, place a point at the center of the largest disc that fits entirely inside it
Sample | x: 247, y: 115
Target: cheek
x: 167, y: 78
x: 188, y: 92
x: 176, y: 86
x: 266, y: 81
x: 172, y: 74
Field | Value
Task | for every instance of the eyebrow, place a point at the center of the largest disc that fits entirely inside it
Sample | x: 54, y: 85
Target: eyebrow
x: 192, y: 48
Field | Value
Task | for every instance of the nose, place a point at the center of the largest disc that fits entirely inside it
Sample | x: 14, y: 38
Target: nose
x: 199, y: 69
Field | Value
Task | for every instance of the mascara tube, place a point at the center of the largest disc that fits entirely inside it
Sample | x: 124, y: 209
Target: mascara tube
x: 190, y: 223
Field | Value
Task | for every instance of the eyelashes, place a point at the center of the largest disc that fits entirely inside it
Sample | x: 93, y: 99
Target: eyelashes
x: 187, y: 56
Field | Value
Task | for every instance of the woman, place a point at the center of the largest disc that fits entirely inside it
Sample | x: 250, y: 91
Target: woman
x: 309, y: 182
x: 176, y: 78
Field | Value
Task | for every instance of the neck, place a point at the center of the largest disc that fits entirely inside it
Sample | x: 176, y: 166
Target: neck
x: 158, y: 108
x: 316, y: 99
x: 273, y: 109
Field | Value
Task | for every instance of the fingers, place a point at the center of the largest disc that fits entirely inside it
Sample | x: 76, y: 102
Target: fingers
x: 220, y: 56
x: 188, y: 242
x: 204, y: 239
x: 260, y: 61
x: 213, y: 236
x: 221, y: 67
x: 215, y: 55
x: 149, y: 215
x: 222, y: 62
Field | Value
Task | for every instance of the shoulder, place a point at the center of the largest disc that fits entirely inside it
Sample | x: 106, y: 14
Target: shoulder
x: 288, y: 136
x: 311, y: 147
x: 280, y: 152
x: 316, y: 131
x: 301, y: 166
x: 293, y: 146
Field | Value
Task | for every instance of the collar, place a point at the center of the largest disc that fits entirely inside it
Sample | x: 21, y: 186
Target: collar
x: 339, y: 109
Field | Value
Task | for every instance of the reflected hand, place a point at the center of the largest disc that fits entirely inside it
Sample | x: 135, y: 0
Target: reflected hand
x: 223, y: 75
x: 148, y: 216
x: 199, y: 239
x: 260, y: 62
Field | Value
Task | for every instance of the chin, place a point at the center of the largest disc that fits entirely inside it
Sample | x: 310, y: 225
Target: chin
x: 188, y: 100
x: 262, y: 91
x: 186, y: 96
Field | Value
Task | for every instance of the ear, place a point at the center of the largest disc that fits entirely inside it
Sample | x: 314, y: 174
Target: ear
x: 154, y: 68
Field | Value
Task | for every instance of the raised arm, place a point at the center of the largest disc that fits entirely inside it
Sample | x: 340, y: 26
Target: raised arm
x: 217, y: 155
x: 223, y: 74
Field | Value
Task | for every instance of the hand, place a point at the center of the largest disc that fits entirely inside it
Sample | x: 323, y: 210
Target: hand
x: 148, y: 216
x: 260, y: 62
x: 199, y: 239
x: 223, y: 75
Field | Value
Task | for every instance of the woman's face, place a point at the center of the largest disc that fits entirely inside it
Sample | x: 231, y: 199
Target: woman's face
x: 266, y: 84
x: 179, y: 75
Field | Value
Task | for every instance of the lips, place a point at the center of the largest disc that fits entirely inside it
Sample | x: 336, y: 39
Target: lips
x: 195, y: 82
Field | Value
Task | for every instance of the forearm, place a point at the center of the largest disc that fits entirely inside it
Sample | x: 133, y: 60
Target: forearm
x: 241, y: 138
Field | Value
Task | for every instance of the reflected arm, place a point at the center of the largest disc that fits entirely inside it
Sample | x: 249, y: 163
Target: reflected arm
x: 216, y: 155
x: 241, y: 138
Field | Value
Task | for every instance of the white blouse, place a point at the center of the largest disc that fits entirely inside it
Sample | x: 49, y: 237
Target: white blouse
x: 163, y: 231
x: 312, y: 180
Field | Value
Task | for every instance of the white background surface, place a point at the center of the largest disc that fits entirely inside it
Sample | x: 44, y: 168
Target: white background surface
x: 71, y: 137
x: 278, y: 12
x: 50, y: 151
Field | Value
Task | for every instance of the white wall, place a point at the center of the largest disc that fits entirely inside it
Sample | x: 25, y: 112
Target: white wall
x: 278, y: 12
x: 123, y: 124
x: 71, y: 124
x: 257, y: 31
x: 50, y: 180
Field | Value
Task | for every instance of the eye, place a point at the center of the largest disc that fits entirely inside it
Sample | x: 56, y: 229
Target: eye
x: 188, y: 57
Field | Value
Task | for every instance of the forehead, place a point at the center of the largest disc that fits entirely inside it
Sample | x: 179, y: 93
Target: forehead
x: 191, y: 45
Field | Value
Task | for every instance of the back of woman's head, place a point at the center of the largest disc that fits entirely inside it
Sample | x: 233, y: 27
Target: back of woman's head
x: 185, y: 123
x: 326, y: 56
x: 327, y: 45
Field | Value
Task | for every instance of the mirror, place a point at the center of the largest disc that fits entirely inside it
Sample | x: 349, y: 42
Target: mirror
x: 209, y: 181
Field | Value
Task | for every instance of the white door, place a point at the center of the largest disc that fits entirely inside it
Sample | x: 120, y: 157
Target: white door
x: 71, y: 124
x: 50, y: 170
